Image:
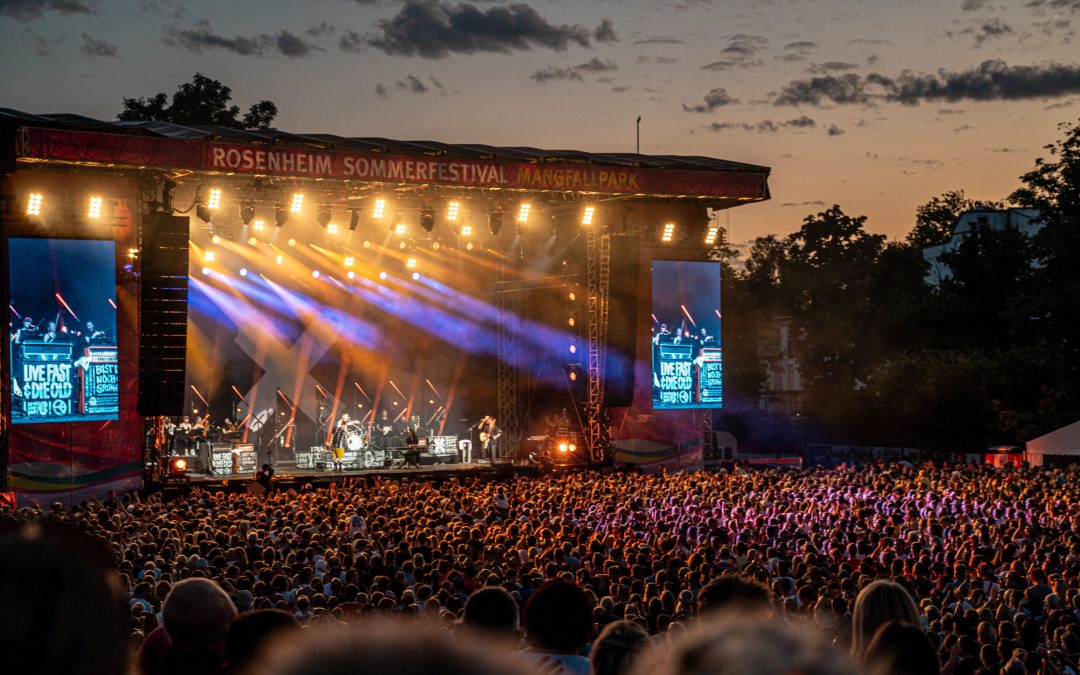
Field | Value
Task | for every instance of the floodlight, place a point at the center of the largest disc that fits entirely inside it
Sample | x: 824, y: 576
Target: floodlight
x: 669, y: 232
x: 523, y: 212
x: 452, y: 210
x: 93, y: 209
x: 213, y: 199
x: 587, y: 215
x: 297, y: 202
x: 33, y: 204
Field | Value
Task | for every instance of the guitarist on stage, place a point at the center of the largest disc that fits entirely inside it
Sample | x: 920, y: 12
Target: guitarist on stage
x: 489, y: 437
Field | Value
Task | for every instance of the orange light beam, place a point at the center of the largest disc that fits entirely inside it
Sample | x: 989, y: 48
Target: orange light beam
x: 687, y: 313
x: 361, y: 390
x: 238, y: 394
x: 718, y: 314
x: 433, y: 388
x: 112, y: 303
x: 66, y: 306
x: 200, y: 396
x: 396, y: 389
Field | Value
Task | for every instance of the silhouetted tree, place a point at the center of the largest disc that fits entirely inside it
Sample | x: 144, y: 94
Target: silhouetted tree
x: 934, y: 220
x: 200, y: 102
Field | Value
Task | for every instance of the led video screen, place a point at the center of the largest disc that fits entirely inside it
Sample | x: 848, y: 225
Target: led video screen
x: 63, y: 330
x: 687, y: 359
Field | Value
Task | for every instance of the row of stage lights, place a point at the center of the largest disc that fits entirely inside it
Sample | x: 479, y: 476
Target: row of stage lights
x: 206, y: 206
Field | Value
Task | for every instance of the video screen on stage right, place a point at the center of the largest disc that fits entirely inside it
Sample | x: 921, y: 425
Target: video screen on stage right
x: 687, y: 359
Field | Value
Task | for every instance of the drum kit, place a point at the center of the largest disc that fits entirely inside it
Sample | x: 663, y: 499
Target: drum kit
x: 359, y: 450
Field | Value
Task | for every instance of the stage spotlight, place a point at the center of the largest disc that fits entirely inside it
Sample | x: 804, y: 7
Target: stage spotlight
x: 243, y: 271
x: 400, y: 229
x: 177, y: 467
x: 711, y: 234
x: 209, y: 256
x: 204, y: 213
x: 133, y: 253
x: 427, y: 219
x: 366, y: 244
x: 466, y: 230
x: 572, y: 296
x: 452, y: 210
x: 571, y: 447
x: 669, y: 232
x: 216, y: 239
x: 587, y: 216
x: 258, y: 226
x: 93, y: 210
x: 563, y: 446
x: 573, y: 348
x: 571, y: 321
x: 281, y: 215
x: 382, y: 275
x: 247, y: 213
x: 332, y: 228
x: 523, y: 212
x: 573, y: 375
x: 351, y: 274
x: 469, y: 246
x: 291, y: 242
x: 213, y: 199
x: 33, y: 204
x: 416, y: 276
x: 206, y: 271
x: 379, y: 209
x: 354, y: 219
x: 280, y: 260
x: 323, y: 216
x: 435, y: 245
x: 252, y: 241
x: 402, y: 245
x: 410, y: 263
x: 297, y: 202
x: 494, y: 222
x: 314, y: 274
x: 350, y: 261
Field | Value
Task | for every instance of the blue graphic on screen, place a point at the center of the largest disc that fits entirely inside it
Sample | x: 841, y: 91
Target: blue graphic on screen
x: 687, y: 359
x: 64, y: 365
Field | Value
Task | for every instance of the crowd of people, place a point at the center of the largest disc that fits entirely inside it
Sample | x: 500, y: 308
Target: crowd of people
x: 874, y: 569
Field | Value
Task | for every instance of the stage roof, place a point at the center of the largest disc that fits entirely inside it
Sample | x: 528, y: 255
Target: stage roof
x: 74, y: 139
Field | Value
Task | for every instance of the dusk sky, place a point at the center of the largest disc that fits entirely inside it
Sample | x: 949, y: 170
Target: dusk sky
x: 875, y: 105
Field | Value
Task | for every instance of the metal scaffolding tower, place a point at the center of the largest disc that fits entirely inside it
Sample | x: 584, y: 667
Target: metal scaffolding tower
x: 598, y: 251
x: 507, y: 305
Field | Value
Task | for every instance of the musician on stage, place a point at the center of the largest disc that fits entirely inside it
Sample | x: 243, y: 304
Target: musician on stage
x: 50, y: 332
x: 338, y: 445
x: 91, y: 336
x: 489, y: 437
x: 412, y: 455
x: 28, y: 331
x: 663, y: 335
x: 703, y: 339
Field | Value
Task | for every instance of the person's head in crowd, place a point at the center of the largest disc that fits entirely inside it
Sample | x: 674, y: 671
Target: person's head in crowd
x: 733, y: 591
x: 878, y: 603
x: 735, y: 643
x: 494, y: 610
x: 901, y: 649
x: 74, y: 620
x: 558, y: 618
x: 196, y: 615
x: 617, y: 648
x: 382, y: 649
x: 251, y: 632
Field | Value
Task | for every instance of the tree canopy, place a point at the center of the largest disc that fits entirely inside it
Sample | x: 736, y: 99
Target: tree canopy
x: 202, y: 101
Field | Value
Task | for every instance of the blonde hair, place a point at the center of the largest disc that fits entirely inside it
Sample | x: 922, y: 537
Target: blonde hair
x: 878, y: 603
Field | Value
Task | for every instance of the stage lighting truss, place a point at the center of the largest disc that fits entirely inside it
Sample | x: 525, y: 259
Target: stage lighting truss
x: 213, y: 199
x: 452, y: 211
x: 297, y: 202
x: 523, y: 212
x: 94, y: 206
x: 669, y: 232
x: 379, y: 209
x: 711, y: 234
x: 587, y: 215
x: 33, y: 204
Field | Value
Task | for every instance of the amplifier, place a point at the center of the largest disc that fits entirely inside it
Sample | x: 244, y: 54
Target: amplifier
x: 221, y: 459
x: 247, y: 460
x: 442, y: 445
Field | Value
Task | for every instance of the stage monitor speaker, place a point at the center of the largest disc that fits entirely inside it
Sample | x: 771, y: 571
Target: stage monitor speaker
x: 163, y: 315
x: 622, y: 322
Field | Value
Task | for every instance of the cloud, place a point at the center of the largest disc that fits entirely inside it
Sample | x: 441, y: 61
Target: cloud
x: 831, y: 67
x: 797, y: 51
x: 410, y: 84
x: 659, y: 40
x: 834, y: 130
x: 573, y: 73
x: 987, y: 30
x: 605, y: 32
x: 716, y: 98
x: 433, y: 29
x: 93, y: 47
x: 203, y: 38
x: 658, y: 60
x: 322, y: 30
x: 974, y: 5
x: 28, y: 10
x: 791, y: 205
x: 992, y: 80
x: 41, y: 45
x: 740, y: 52
x: 1054, y: 5
x: 763, y: 127
x: 869, y: 41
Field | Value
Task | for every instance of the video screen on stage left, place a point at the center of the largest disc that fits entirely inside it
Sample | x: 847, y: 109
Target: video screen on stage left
x: 64, y: 365
x: 687, y: 359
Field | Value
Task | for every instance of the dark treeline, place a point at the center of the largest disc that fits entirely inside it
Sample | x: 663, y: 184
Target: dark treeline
x: 989, y: 356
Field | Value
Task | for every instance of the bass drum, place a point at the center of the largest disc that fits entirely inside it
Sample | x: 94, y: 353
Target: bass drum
x: 373, y: 458
x: 354, y: 441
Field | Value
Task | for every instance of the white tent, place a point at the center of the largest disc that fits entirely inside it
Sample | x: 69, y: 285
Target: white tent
x: 1063, y: 441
